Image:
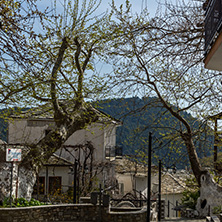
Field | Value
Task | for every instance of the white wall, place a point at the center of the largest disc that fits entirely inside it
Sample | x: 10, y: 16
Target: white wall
x: 57, y: 172
x: 127, y: 182
x: 131, y: 182
x: 172, y: 198
x: 21, y: 131
x: 140, y: 183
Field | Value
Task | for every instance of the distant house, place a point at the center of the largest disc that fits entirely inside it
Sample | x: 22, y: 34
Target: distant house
x: 172, y: 187
x: 93, y: 147
x: 132, y: 176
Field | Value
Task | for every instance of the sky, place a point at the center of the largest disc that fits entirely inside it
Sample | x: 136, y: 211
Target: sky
x: 137, y: 5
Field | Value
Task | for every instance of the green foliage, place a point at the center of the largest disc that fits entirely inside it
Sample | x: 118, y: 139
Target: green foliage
x: 217, y: 210
x: 21, y: 202
x: 143, y: 115
x: 190, y: 198
x: 59, y: 197
x: 191, y: 194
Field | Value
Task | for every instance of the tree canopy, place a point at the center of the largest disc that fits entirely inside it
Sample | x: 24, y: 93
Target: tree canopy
x: 159, y: 56
x: 51, y: 54
x: 52, y: 61
x: 162, y: 56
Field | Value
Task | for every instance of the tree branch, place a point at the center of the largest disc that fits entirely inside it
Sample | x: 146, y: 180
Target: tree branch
x: 57, y: 110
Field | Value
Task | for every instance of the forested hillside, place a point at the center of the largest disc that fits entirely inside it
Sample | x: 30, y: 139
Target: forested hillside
x: 141, y: 116
x: 3, y: 128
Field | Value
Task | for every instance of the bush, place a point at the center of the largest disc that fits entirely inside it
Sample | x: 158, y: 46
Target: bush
x: 217, y: 210
x: 189, y: 198
x: 191, y: 194
x: 21, y: 202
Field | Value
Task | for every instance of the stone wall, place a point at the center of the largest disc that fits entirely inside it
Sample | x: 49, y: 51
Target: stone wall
x: 69, y: 212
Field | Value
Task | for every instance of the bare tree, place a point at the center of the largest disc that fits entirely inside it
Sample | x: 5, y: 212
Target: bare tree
x: 162, y: 57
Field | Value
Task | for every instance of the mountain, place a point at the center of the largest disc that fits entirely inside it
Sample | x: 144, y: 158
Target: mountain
x: 143, y: 115
x: 3, y: 126
x: 140, y: 116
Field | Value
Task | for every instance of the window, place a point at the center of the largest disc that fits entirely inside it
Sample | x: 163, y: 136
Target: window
x: 109, y: 152
x: 39, y: 186
x: 121, y: 188
x: 55, y: 185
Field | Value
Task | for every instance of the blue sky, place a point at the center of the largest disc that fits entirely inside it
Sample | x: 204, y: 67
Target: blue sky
x: 137, y: 5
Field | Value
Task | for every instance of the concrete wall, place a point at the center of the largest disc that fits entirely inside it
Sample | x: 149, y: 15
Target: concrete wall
x: 21, y: 131
x: 74, y: 213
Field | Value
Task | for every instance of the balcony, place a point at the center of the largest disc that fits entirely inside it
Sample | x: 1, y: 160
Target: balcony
x: 213, y: 34
x: 113, y: 152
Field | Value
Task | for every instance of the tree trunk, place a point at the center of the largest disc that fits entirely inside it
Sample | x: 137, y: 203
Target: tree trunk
x: 41, y: 152
x: 210, y: 191
x: 5, y: 179
x: 194, y: 160
x: 210, y: 195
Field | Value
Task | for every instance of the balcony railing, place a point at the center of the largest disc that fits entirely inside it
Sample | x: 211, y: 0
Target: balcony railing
x: 113, y: 152
x: 213, y: 22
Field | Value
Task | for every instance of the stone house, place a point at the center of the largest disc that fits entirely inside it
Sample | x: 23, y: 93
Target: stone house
x: 173, y: 185
x: 93, y: 147
x: 132, y: 177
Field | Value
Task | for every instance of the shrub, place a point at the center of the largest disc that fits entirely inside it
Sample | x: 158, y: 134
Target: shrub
x: 189, y: 198
x: 191, y: 194
x: 217, y: 210
x: 20, y: 202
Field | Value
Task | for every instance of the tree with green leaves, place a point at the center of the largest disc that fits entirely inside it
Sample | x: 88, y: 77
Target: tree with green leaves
x: 162, y: 57
x: 53, y: 61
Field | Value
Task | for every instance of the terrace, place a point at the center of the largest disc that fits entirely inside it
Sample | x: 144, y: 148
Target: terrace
x: 213, y: 35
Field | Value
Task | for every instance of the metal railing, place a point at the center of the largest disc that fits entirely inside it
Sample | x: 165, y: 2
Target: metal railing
x: 213, y: 22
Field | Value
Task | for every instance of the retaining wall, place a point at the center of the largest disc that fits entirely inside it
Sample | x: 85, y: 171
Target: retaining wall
x: 68, y: 213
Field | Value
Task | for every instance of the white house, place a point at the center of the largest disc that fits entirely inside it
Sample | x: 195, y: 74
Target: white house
x: 132, y: 176
x: 31, y: 126
x: 172, y: 187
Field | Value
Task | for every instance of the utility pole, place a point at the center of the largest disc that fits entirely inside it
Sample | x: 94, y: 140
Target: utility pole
x: 74, y: 181
x: 11, y: 182
x: 149, y: 177
x: 159, y: 194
